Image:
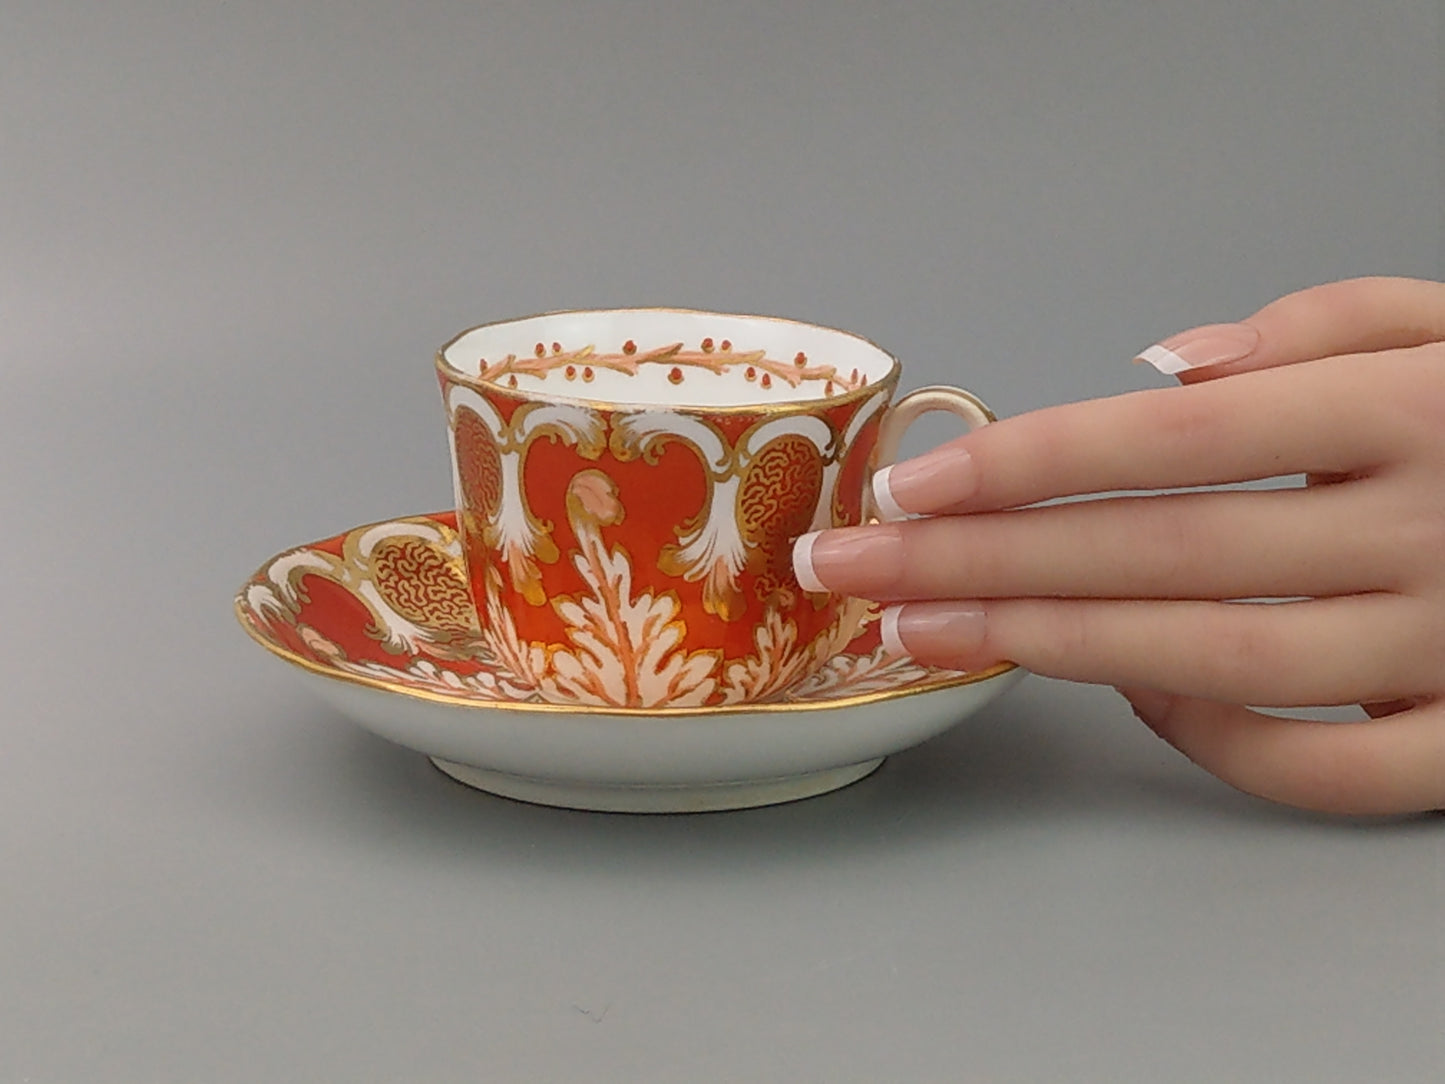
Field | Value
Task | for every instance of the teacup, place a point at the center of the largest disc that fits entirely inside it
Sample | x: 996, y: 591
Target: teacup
x: 629, y: 484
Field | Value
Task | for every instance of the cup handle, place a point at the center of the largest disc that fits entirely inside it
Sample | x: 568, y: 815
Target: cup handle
x: 909, y: 409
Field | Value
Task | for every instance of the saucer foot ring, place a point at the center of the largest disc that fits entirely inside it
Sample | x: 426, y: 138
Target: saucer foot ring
x: 698, y: 798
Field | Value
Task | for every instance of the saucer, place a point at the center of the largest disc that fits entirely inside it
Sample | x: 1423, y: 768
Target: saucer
x: 379, y: 623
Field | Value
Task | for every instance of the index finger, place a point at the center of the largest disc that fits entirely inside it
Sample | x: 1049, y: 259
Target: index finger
x: 1355, y: 316
x: 1258, y: 425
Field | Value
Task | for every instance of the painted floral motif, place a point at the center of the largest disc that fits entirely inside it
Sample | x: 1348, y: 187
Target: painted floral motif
x: 489, y: 452
x: 779, y: 664
x: 762, y: 490
x: 709, y: 356
x: 627, y: 647
x: 524, y: 663
x: 627, y: 651
x: 850, y: 673
x: 335, y: 605
x: 709, y: 547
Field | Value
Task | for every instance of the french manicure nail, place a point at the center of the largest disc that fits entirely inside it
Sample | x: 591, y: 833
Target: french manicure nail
x: 1201, y: 346
x: 927, y: 483
x: 852, y: 560
x: 933, y: 629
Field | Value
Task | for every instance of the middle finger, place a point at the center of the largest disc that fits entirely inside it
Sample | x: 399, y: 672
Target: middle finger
x: 1216, y: 545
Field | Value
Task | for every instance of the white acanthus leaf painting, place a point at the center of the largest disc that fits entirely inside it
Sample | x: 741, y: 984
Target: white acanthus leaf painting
x: 625, y: 651
x: 777, y: 663
x: 711, y: 546
x: 525, y: 662
x: 512, y: 529
x: 853, y: 675
x: 483, y: 685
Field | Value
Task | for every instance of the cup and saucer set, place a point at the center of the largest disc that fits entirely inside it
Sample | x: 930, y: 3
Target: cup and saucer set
x: 608, y: 619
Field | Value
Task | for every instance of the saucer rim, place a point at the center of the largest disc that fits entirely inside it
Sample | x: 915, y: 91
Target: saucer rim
x: 241, y: 611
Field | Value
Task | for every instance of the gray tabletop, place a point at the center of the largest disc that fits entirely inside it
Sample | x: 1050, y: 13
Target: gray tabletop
x: 231, y: 236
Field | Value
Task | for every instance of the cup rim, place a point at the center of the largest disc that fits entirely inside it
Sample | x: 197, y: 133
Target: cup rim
x: 886, y: 382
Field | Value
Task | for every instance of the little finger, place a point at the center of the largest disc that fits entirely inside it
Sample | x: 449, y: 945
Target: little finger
x: 1391, y: 765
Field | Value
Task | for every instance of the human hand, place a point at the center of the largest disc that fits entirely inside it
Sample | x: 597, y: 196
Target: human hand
x: 1343, y: 383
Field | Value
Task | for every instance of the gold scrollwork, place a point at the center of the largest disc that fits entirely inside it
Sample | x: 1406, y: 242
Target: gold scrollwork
x: 775, y: 504
x: 422, y: 584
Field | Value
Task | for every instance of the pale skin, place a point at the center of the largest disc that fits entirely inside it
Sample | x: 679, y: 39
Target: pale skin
x: 1343, y: 383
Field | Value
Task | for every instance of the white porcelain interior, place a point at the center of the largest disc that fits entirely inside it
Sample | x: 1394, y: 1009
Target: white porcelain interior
x: 721, y: 358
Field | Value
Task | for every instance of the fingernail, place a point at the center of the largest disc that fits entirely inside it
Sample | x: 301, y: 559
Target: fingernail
x: 927, y: 483
x: 933, y: 629
x: 850, y: 560
x: 1201, y: 346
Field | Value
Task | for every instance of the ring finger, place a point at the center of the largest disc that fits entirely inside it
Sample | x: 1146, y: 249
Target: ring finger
x: 1215, y: 545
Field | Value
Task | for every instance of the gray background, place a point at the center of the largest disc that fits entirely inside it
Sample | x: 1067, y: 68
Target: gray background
x: 232, y: 234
